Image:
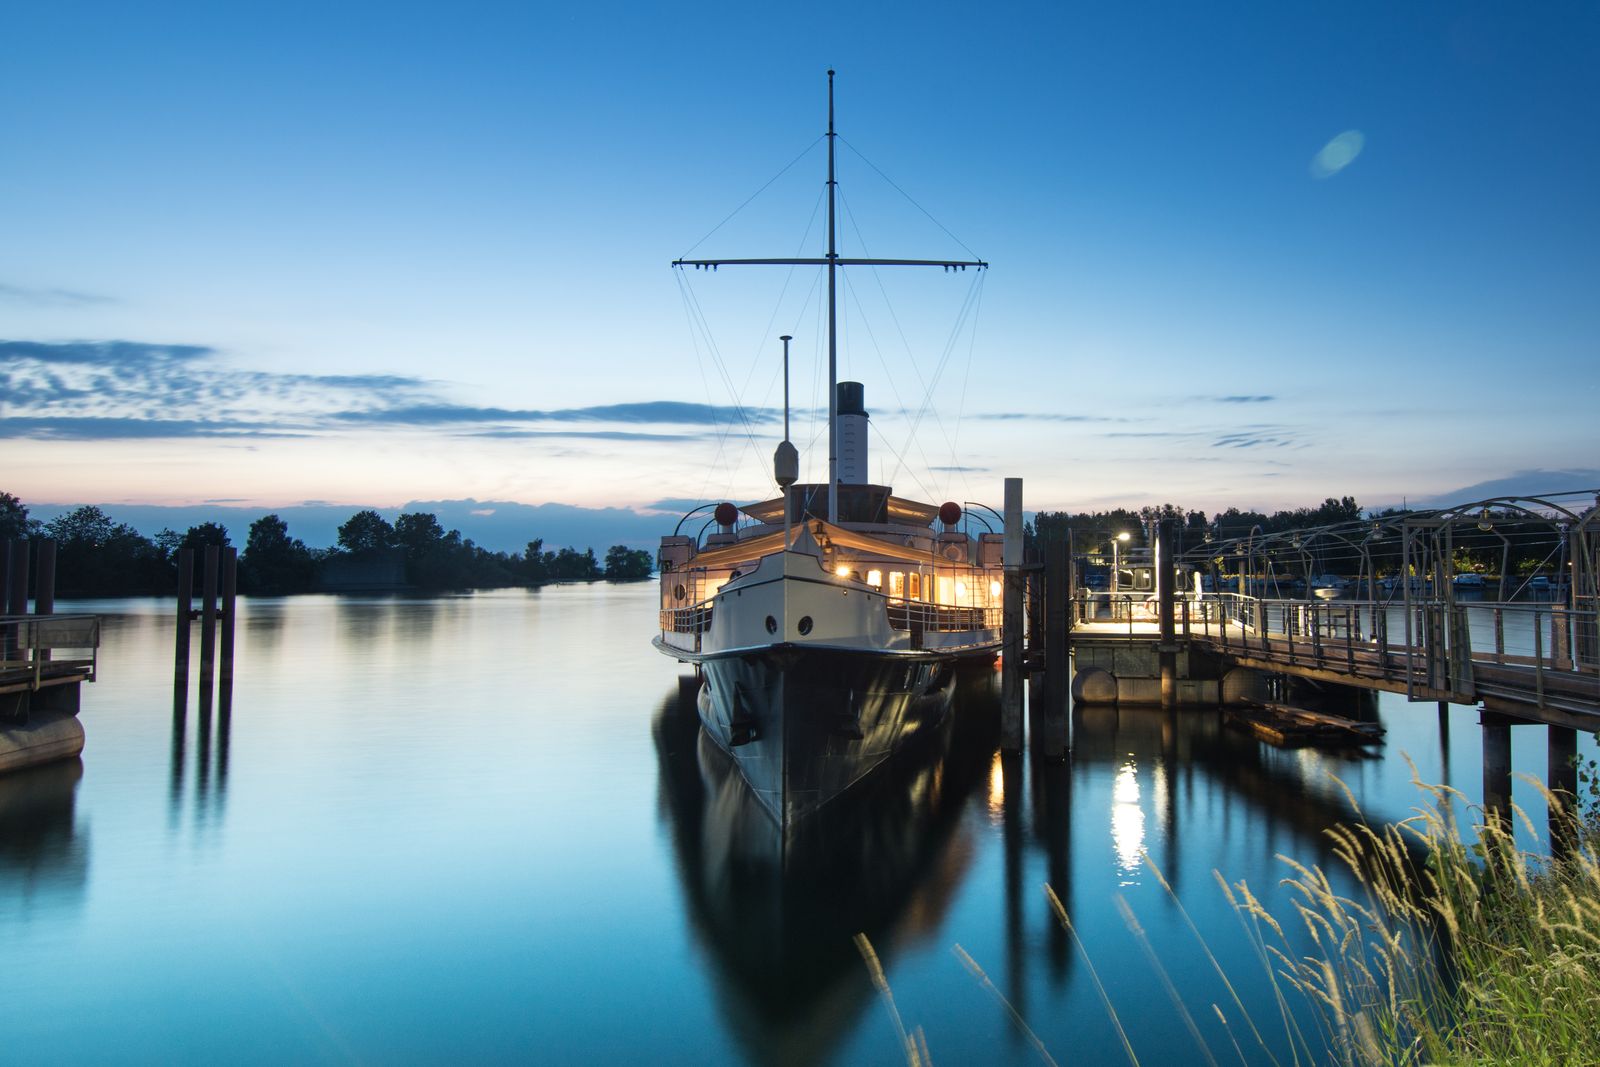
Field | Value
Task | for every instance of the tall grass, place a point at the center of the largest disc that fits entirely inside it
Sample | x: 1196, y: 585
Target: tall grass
x: 1456, y: 952
x: 1448, y: 951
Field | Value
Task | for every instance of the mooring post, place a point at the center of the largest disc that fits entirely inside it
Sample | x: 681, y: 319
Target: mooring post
x: 230, y: 590
x: 1166, y: 599
x: 1497, y: 767
x: 44, y: 578
x: 1011, y: 666
x: 1561, y: 754
x: 44, y: 583
x: 180, y: 668
x: 1056, y: 566
x: 208, y: 620
x: 16, y: 598
x: 1036, y: 643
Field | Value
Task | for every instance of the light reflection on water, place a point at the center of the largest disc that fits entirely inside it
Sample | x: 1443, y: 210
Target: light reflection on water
x: 485, y: 827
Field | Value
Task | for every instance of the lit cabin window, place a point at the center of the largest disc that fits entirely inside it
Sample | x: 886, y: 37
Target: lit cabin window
x: 994, y: 590
x: 897, y: 583
x: 961, y: 591
x: 875, y: 579
x: 947, y: 590
x: 916, y: 586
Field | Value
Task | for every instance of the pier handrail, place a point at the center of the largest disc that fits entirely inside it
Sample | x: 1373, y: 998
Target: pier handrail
x: 28, y: 644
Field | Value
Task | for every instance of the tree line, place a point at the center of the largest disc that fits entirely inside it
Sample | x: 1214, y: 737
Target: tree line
x: 98, y: 556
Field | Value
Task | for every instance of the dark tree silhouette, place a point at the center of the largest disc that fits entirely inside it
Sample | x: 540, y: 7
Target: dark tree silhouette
x: 366, y: 531
x: 14, y: 521
x: 624, y: 564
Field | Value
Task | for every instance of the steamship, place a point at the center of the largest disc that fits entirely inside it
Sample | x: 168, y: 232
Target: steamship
x: 828, y: 625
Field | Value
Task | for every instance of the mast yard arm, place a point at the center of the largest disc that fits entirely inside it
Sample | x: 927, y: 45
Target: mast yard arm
x: 947, y: 264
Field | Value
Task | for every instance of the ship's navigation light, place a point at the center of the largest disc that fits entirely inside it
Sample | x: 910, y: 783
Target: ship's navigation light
x: 842, y: 570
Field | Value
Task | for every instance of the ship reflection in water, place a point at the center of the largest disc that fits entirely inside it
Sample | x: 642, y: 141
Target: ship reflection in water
x: 779, y: 915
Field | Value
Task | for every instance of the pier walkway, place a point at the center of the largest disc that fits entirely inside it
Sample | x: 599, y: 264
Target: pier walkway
x: 1536, y: 662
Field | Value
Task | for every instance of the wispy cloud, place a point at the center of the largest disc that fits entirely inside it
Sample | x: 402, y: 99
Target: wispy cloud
x: 1258, y: 437
x: 592, y: 435
x: 958, y: 470
x: 131, y: 390
x: 17, y: 294
x: 657, y: 412
x: 1041, y: 416
x: 71, y: 428
x: 1244, y: 399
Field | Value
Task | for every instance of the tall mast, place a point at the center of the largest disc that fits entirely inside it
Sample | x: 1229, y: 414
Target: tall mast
x: 833, y: 330
x: 833, y: 261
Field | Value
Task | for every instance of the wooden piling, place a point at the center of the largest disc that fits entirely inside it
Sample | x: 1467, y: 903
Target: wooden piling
x: 16, y: 593
x: 1011, y: 665
x: 208, y: 620
x: 17, y: 577
x: 44, y: 583
x: 230, y: 590
x: 1166, y: 579
x: 185, y: 615
x: 1056, y: 683
x: 1497, y: 768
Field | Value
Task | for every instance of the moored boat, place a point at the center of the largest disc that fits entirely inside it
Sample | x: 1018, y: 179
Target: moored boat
x: 828, y: 624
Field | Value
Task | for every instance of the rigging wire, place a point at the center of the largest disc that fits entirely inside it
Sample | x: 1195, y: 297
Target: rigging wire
x: 961, y: 406
x: 803, y: 153
x: 909, y: 198
x: 927, y: 386
x: 698, y: 317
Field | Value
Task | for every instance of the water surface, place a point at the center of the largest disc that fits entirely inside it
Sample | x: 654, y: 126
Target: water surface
x: 485, y: 827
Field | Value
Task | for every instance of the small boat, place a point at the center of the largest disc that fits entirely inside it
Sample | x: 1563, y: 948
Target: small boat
x: 828, y: 624
x: 1286, y: 726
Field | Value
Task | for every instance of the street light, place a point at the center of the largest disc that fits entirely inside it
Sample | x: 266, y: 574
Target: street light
x: 1116, y: 557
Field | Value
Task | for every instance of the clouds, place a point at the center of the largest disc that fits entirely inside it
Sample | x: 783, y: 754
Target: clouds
x: 657, y: 412
x: 28, y: 297
x: 1337, y: 154
x: 131, y: 390
x: 1260, y: 437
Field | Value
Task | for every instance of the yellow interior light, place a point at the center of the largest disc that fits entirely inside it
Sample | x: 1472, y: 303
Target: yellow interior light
x: 994, y: 588
x: 842, y: 570
x: 874, y: 578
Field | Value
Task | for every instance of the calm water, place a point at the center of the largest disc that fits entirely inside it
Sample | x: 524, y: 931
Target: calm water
x: 484, y: 828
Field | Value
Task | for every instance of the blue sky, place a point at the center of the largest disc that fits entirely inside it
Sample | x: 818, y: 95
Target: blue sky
x: 380, y: 253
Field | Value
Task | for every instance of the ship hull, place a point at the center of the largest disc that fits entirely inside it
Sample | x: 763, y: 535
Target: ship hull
x: 804, y: 726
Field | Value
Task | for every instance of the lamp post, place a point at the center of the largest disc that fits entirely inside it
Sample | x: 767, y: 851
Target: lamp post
x: 1116, y: 557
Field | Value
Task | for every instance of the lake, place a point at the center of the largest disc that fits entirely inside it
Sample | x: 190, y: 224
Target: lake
x: 485, y: 828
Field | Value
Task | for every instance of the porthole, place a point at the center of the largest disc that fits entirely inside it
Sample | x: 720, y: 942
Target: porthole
x: 804, y: 625
x: 772, y: 625
x: 678, y: 592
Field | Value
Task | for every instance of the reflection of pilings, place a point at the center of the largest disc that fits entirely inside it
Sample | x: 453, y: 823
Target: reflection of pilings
x: 1052, y: 820
x: 1011, y: 831
x: 1444, y: 741
x: 180, y: 727
x: 1561, y: 754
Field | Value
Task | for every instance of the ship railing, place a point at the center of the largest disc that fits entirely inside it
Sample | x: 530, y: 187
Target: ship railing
x: 30, y: 647
x: 921, y: 616
x: 691, y: 620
